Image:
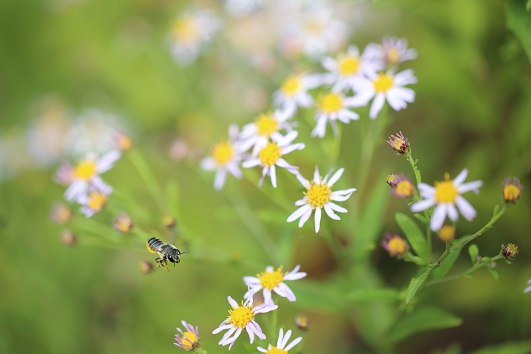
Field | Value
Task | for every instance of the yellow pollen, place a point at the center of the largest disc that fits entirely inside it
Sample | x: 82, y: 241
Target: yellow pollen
x: 511, y: 193
x: 446, y: 233
x: 330, y: 103
x: 241, y: 316
x: 275, y: 350
x: 270, y: 154
x: 266, y: 125
x: 318, y: 195
x: 186, y: 30
x: 404, y: 189
x: 270, y: 280
x: 223, y: 153
x: 392, y: 55
x: 189, y: 340
x: 445, y: 192
x: 96, y: 201
x: 382, y: 83
x: 292, y: 86
x: 397, y: 246
x: 349, y: 65
x: 85, y: 169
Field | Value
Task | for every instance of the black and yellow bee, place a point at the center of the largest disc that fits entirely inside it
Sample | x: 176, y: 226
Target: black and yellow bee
x: 166, y: 251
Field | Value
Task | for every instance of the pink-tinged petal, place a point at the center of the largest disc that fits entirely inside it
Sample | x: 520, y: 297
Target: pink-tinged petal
x: 299, y: 212
x: 107, y: 161
x: 395, y: 101
x: 438, y: 217
x: 305, y: 217
x: 282, y: 341
x: 279, y: 290
x: 232, y: 302
x: 460, y: 177
x: 335, y: 177
x: 470, y: 186
x: 452, y: 212
x: 219, y: 179
x: 293, y: 343
x: 234, y: 337
x: 269, y: 268
x: 336, y: 207
x: 376, y: 106
x: 257, y: 330
x: 317, y: 217
x: 403, y: 93
x: 223, y: 326
x: 422, y: 205
x: 265, y: 308
x: 342, y: 195
x: 295, y: 274
x: 465, y: 208
x: 331, y: 213
x: 360, y: 99
x: 250, y: 332
x: 265, y: 172
x: 87, y: 211
x: 288, y: 293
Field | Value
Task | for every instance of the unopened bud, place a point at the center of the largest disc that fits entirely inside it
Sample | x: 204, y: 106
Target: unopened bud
x: 146, y: 267
x: 510, y: 250
x: 68, y: 238
x: 123, y: 223
x: 399, y: 143
x: 302, y: 322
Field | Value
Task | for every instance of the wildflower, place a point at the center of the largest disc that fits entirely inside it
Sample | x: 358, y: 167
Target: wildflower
x: 402, y: 187
x: 392, y: 51
x: 445, y: 196
x: 293, y: 93
x: 385, y: 86
x: 123, y: 223
x: 188, y: 340
x: 240, y: 318
x: 86, y: 175
x: 512, y: 190
x: 399, y: 143
x: 330, y: 108
x: 270, y: 156
x: 225, y: 158
x: 266, y: 127
x: 528, y: 289
x: 68, y: 238
x: 61, y: 213
x: 92, y: 202
x: 348, y: 68
x: 302, y: 322
x: 510, y: 251
x: 281, y: 347
x: 320, y: 195
x: 395, y: 245
x: 273, y: 280
x: 446, y: 233
x: 122, y: 141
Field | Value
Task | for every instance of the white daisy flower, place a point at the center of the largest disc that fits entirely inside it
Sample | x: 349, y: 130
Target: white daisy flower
x: 240, y: 318
x: 86, y: 175
x: 385, y: 86
x: 320, y: 195
x: 282, y: 347
x: 258, y: 133
x: 293, y: 92
x: 225, y: 158
x: 348, y: 68
x: 93, y: 202
x: 270, y: 156
x: 272, y: 280
x: 445, y: 196
x: 333, y: 107
x: 392, y: 51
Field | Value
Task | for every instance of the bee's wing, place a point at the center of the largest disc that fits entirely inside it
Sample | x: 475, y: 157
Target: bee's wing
x: 151, y: 250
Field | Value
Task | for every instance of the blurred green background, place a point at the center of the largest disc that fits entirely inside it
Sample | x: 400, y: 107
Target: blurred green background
x: 61, y: 59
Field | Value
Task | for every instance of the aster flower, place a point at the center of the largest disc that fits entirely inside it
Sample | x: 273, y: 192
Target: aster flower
x: 93, y: 201
x: 266, y: 126
x: 319, y: 195
x: 385, y: 86
x: 270, y: 156
x: 189, y: 339
x: 272, y: 280
x: 225, y: 158
x: 445, y: 196
x: 240, y: 318
x: 86, y: 175
x: 333, y: 107
x: 282, y: 344
x: 512, y: 190
x: 392, y: 51
x: 293, y: 92
x: 395, y: 245
x: 402, y: 187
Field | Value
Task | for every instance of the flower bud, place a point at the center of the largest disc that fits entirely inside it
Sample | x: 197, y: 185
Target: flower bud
x: 68, y: 238
x: 123, y: 223
x: 510, y: 250
x: 512, y: 189
x: 403, y: 187
x: 61, y: 213
x: 399, y: 143
x: 122, y: 141
x: 302, y: 322
x: 169, y: 221
x: 446, y: 233
x: 395, y: 245
x: 146, y: 267
x: 392, y: 180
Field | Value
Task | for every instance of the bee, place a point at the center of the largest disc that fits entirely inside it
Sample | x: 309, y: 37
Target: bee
x: 166, y: 251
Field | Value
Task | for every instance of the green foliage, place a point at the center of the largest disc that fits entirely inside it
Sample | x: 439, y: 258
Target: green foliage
x: 519, y: 21
x: 416, y: 283
x: 414, y: 235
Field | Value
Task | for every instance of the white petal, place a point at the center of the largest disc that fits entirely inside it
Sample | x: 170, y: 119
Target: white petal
x: 252, y: 162
x: 335, y: 177
x: 336, y: 207
x: 437, y: 219
x: 317, y: 217
x: 320, y: 127
x: 273, y: 174
x: 465, y: 208
x: 331, y: 213
x: 291, y: 148
x: 293, y: 343
x: 376, y: 106
x: 422, y: 205
x: 285, y: 339
x: 452, y: 212
x: 232, y: 302
x: 299, y: 212
x: 107, y: 161
x: 460, y: 177
x: 305, y: 217
x: 426, y: 191
x: 219, y: 179
x: 470, y: 186
x: 223, y: 326
x: 316, y: 175
x: 208, y: 163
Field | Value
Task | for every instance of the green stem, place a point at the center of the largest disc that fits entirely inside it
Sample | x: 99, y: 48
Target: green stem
x: 149, y: 178
x: 469, y: 271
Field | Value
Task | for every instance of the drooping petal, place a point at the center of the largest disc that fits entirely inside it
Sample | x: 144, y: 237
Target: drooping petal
x: 376, y: 106
x: 465, y: 208
x: 331, y: 213
x: 298, y: 213
x: 452, y: 212
x: 438, y: 217
x: 422, y: 205
x: 305, y: 217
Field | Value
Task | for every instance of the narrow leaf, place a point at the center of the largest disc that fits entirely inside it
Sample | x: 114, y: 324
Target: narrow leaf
x: 413, y: 234
x: 446, y: 265
x: 378, y: 294
x: 494, y: 273
x: 422, y: 219
x: 473, y: 251
x: 415, y: 284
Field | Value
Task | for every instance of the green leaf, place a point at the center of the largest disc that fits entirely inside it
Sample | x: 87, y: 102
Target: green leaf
x: 494, y: 273
x: 321, y: 296
x: 473, y: 251
x: 422, y: 219
x: 413, y: 234
x: 378, y: 294
x: 519, y: 21
x: 507, y: 348
x: 446, y: 265
x: 423, y: 319
x: 415, y: 284
x: 528, y: 6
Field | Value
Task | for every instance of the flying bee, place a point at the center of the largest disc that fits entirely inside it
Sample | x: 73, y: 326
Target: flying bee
x: 166, y: 251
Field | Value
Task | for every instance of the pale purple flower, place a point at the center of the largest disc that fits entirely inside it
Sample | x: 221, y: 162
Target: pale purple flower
x: 272, y: 280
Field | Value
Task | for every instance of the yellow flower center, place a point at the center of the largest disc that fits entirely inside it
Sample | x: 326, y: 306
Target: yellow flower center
x: 392, y: 55
x: 349, y: 65
x: 382, y: 83
x: 275, y: 350
x: 446, y: 233
x: 404, y: 189
x: 125, y: 142
x: 314, y: 26
x: 330, y: 103
x: 511, y: 193
x: 186, y: 30
x: 96, y: 201
x: 397, y: 246
x: 266, y: 125
x: 223, y: 153
x: 318, y: 195
x: 189, y: 340
x: 291, y: 86
x: 241, y: 316
x: 445, y: 192
x: 85, y: 170
x: 270, y: 280
x: 270, y: 154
